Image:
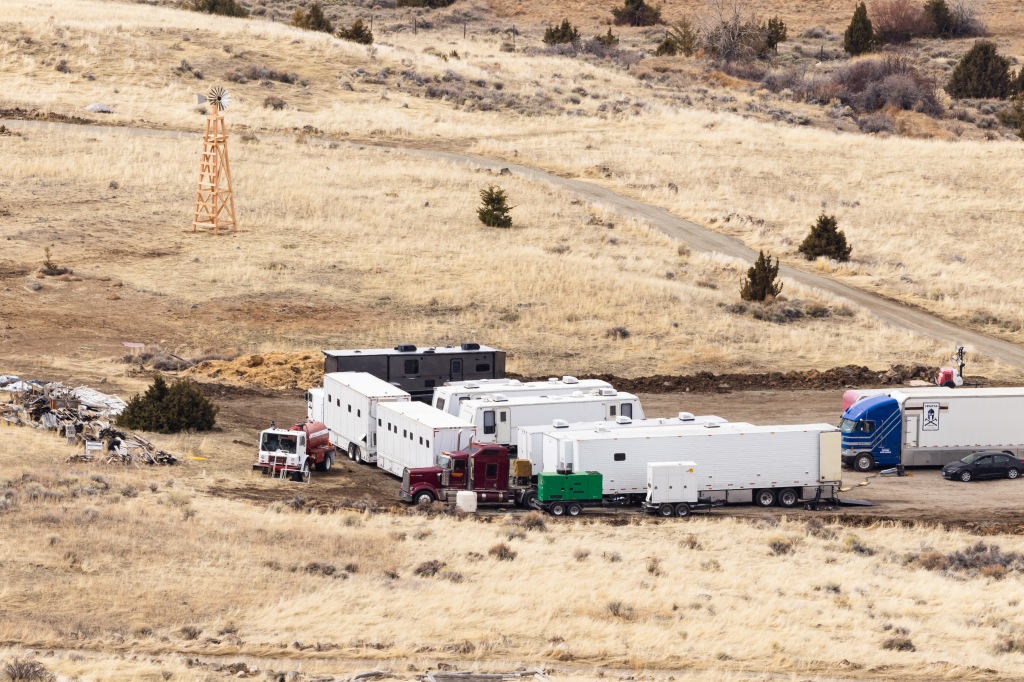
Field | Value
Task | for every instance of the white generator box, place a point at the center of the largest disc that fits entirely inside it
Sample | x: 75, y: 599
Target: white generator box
x: 412, y: 435
x: 672, y: 482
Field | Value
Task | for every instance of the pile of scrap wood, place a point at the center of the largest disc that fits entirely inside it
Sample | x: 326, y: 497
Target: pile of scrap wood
x: 83, y: 415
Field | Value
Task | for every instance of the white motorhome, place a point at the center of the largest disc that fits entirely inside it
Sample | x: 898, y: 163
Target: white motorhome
x: 530, y: 439
x: 736, y: 462
x: 315, y: 404
x: 496, y: 417
x: 413, y: 434
x: 351, y: 400
x: 449, y: 398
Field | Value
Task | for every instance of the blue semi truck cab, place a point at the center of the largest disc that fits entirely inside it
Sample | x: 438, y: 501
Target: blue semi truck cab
x: 872, y: 433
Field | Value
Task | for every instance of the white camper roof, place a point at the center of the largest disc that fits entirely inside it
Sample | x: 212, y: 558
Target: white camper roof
x: 426, y: 415
x: 693, y: 431
x: 365, y: 384
x: 512, y: 400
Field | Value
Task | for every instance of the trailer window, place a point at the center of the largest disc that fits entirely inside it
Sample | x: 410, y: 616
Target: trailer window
x: 405, y: 434
x: 504, y: 416
x: 491, y: 471
x: 483, y: 367
x: 421, y: 440
x: 611, y: 410
x: 350, y: 409
x: 359, y: 413
x: 428, y: 443
x: 380, y: 422
x: 412, y: 366
x: 440, y: 404
x: 337, y: 401
x: 627, y: 410
x: 489, y: 421
x: 619, y: 457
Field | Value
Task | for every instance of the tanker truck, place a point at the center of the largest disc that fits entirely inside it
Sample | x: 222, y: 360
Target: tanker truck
x: 292, y: 453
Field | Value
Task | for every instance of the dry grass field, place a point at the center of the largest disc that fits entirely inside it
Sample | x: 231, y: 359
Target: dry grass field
x: 145, y: 570
x: 352, y: 238
x: 950, y: 231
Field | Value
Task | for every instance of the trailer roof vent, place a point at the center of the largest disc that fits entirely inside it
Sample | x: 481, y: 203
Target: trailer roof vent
x: 405, y: 348
x: 603, y: 429
x: 553, y: 379
x: 570, y: 380
x: 710, y: 425
x: 560, y: 424
x: 622, y: 419
x: 608, y: 391
x: 499, y: 398
x: 686, y: 416
x: 471, y: 346
x: 429, y: 350
x: 577, y: 394
x: 514, y: 382
x: 472, y: 385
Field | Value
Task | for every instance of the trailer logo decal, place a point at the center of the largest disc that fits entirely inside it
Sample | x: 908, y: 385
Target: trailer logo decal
x: 931, y: 416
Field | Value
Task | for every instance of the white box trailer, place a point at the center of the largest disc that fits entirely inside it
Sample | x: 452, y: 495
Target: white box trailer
x: 350, y: 411
x: 315, y: 404
x: 498, y: 416
x: 449, y: 398
x: 735, y: 462
x: 530, y: 439
x: 413, y: 434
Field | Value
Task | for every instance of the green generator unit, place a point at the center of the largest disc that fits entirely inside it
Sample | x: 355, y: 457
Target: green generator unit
x: 582, y: 487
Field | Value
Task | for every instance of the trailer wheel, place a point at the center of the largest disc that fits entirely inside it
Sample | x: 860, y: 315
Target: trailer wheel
x: 966, y: 476
x: 788, y: 498
x: 764, y: 497
x: 682, y: 510
x: 666, y: 510
x: 574, y: 510
x: 863, y: 463
x: 558, y: 509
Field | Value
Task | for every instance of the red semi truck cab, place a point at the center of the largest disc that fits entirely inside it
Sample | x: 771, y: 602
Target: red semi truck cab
x: 483, y: 468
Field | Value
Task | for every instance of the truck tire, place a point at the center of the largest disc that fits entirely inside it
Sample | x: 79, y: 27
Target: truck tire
x: 327, y: 463
x: 528, y: 499
x: 863, y: 462
x: 422, y: 495
x: 682, y: 510
x: 764, y: 497
x: 949, y: 384
x: 966, y: 476
x: 574, y: 510
x: 787, y: 497
x: 557, y: 509
x: 666, y: 510
x: 301, y: 476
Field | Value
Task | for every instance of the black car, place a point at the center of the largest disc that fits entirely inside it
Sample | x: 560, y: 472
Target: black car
x: 988, y: 464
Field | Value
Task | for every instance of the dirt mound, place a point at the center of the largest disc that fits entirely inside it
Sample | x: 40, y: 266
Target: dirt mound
x: 269, y: 370
x: 835, y: 378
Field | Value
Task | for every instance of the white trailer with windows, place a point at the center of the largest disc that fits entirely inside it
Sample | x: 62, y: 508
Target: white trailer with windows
x: 735, y: 462
x: 449, y: 398
x: 351, y: 400
x: 315, y: 404
x: 496, y: 417
x: 413, y: 434
x: 530, y: 439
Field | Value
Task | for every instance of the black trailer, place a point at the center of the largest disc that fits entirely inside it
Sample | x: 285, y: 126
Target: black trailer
x: 420, y: 370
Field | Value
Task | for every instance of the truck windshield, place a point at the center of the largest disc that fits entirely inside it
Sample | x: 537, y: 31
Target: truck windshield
x: 848, y: 425
x: 445, y: 462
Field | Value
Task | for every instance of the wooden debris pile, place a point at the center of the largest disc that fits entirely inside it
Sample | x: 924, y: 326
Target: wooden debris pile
x: 83, y: 415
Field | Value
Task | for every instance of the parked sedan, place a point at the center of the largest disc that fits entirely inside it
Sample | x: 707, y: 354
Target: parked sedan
x: 988, y: 464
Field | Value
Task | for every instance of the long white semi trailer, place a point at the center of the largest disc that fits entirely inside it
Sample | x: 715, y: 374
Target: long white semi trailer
x: 412, y: 435
x: 350, y: 404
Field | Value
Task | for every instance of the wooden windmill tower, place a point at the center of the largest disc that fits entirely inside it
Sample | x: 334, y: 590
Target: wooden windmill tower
x: 215, y: 203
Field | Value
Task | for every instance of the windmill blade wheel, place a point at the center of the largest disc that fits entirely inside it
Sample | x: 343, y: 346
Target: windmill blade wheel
x: 218, y: 96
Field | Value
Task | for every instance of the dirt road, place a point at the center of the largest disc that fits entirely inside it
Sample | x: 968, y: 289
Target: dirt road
x: 696, y: 236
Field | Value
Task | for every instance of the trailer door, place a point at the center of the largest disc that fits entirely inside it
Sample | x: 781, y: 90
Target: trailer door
x: 830, y: 461
x: 910, y: 433
x: 456, y: 370
x: 504, y: 431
